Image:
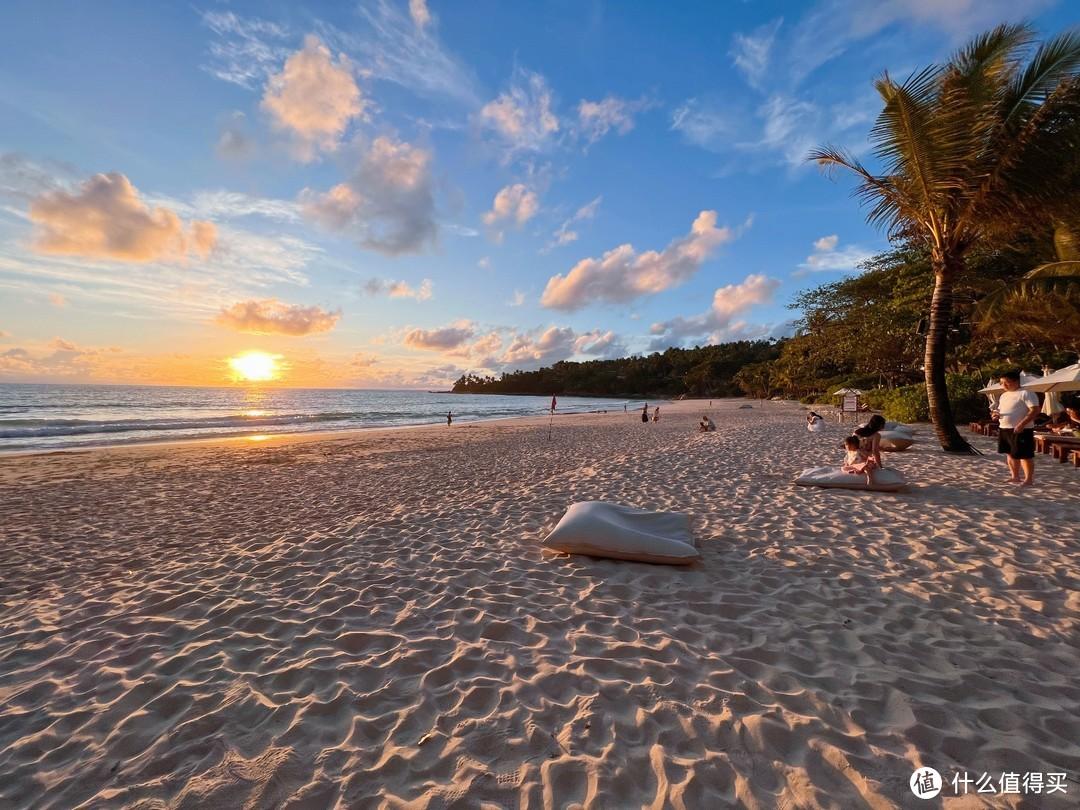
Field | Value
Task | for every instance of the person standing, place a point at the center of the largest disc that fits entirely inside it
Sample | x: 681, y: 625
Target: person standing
x: 1016, y: 411
x: 554, y: 402
x: 645, y: 413
x: 656, y: 414
x: 449, y: 418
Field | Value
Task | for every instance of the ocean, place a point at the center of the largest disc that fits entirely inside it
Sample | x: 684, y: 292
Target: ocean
x: 54, y: 417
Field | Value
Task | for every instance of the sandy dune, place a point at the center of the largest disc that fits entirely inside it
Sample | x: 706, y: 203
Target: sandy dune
x: 366, y: 621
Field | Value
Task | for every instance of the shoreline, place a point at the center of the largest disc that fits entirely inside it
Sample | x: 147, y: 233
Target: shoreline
x: 265, y: 437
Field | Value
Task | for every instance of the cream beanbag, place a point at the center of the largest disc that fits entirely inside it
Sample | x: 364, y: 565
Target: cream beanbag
x: 816, y: 427
x: 886, y: 480
x: 602, y: 529
x: 893, y: 440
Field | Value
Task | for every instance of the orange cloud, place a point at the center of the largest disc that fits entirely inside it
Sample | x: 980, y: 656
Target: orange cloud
x: 313, y: 98
x: 272, y: 317
x: 106, y: 219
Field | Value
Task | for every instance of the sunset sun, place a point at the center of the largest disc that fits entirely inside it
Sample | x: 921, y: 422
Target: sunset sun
x: 255, y: 366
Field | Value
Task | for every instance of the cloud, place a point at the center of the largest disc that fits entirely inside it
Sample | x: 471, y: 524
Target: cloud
x: 700, y: 123
x: 564, y: 235
x: 58, y: 359
x: 484, y: 263
x: 444, y: 339
x: 4, y: 334
x: 272, y: 317
x: 244, y: 53
x: 831, y: 27
x: 623, y: 274
x: 597, y: 118
x: 387, y: 205
x: 234, y: 142
x: 398, y: 289
x: 826, y: 242
x: 313, y: 98
x: 750, y: 52
x: 728, y: 302
x: 390, y: 46
x: 521, y: 116
x: 57, y: 300
x: 106, y: 219
x: 514, y: 203
x: 223, y: 204
x: 828, y: 258
x: 518, y: 299
x: 418, y: 10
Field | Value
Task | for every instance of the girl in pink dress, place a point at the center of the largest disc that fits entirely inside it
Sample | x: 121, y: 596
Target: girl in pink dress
x: 858, y: 461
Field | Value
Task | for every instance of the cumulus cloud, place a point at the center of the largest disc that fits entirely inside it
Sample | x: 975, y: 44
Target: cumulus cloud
x: 728, y: 302
x: 623, y: 274
x: 419, y: 12
x: 597, y: 118
x: 313, y: 98
x: 522, y: 117
x: 106, y: 219
x: 59, y: 359
x: 516, y: 204
x: 750, y: 52
x: 388, y: 204
x: 564, y: 235
x: 272, y: 317
x: 826, y: 242
x: 828, y: 256
x: 445, y: 339
x: 398, y: 289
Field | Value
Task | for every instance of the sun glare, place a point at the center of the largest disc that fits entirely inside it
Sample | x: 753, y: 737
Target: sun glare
x: 255, y: 366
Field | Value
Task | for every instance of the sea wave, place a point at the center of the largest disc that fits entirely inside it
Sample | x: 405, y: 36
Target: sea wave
x: 37, y: 428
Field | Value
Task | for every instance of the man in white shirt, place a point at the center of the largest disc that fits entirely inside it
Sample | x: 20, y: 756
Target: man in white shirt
x: 1016, y: 411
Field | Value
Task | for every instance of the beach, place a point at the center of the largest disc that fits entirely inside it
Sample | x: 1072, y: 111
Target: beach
x: 366, y: 619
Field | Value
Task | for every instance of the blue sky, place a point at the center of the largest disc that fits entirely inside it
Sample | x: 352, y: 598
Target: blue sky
x: 391, y: 193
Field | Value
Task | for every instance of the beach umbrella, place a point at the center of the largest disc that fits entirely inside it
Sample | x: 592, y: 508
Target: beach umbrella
x: 1026, y: 381
x: 1064, y: 379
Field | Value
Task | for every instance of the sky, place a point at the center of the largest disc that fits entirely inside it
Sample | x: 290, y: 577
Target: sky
x: 392, y: 193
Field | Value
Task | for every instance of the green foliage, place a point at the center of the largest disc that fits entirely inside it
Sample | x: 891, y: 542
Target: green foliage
x: 909, y: 403
x: 707, y: 371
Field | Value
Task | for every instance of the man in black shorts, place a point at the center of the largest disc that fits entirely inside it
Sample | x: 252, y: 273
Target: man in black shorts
x: 1016, y: 411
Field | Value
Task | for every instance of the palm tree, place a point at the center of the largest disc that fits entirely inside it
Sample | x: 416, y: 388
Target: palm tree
x: 973, y: 151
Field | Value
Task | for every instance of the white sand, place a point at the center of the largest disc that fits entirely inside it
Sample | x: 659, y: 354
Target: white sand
x: 366, y: 621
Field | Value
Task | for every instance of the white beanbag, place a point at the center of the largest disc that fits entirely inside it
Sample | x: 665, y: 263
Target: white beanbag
x: 893, y: 440
x: 886, y: 480
x: 899, y: 426
x: 602, y: 529
x: 816, y: 427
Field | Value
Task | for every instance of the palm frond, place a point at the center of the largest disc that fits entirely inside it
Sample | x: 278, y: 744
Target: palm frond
x: 1054, y: 61
x: 904, y: 133
x: 1055, y: 278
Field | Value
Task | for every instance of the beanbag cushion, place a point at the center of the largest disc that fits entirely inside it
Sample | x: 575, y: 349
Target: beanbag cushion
x: 886, y: 480
x: 816, y: 427
x: 603, y: 529
x: 893, y: 440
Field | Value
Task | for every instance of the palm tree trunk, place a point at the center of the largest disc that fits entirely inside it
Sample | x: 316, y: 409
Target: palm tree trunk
x: 937, y: 341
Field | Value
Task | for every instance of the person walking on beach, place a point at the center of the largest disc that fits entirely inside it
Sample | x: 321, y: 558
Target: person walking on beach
x: 645, y: 413
x: 554, y: 402
x: 449, y: 418
x: 656, y: 414
x: 1016, y: 411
